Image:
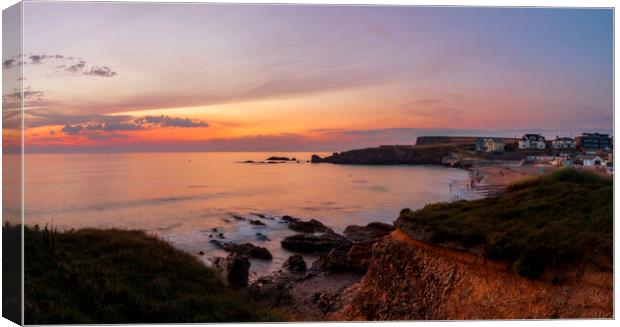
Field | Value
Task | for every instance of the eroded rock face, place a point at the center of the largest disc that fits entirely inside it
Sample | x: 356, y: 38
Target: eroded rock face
x: 412, y: 280
x: 234, y: 270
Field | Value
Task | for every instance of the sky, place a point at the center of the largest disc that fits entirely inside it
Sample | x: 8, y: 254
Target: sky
x: 216, y: 77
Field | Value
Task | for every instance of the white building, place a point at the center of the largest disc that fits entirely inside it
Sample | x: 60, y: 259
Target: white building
x: 593, y: 161
x: 563, y: 143
x: 532, y: 141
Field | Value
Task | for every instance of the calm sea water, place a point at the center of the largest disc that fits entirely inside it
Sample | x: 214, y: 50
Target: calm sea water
x: 183, y: 196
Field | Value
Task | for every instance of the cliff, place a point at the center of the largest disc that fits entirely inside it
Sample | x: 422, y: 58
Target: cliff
x: 544, y: 249
x: 391, y: 155
x: 412, y: 280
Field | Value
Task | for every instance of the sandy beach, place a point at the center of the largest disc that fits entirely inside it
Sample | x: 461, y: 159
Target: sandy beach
x: 502, y: 176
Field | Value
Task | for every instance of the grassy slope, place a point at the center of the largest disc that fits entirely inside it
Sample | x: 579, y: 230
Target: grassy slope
x: 544, y: 222
x: 116, y: 276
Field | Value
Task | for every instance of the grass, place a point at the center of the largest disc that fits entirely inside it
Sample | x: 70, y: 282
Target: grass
x: 545, y: 222
x: 11, y: 274
x: 118, y: 276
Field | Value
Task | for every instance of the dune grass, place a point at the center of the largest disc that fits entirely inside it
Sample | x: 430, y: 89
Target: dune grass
x: 543, y: 222
x: 120, y: 276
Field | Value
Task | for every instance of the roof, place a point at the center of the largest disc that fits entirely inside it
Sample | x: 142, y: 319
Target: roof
x: 564, y: 139
x: 534, y: 137
x: 590, y: 157
x: 495, y: 139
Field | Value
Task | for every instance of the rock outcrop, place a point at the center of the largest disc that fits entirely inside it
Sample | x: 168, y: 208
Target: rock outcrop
x: 390, y: 155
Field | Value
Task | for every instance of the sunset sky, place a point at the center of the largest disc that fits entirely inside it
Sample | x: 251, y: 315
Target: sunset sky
x: 200, y: 77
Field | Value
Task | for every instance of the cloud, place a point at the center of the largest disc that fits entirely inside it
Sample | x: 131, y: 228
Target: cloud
x: 76, y: 68
x: 167, y: 121
x: 95, y: 124
x: 8, y: 63
x: 42, y: 117
x: 73, y: 65
x: 31, y: 98
x: 100, y: 71
x: 72, y: 129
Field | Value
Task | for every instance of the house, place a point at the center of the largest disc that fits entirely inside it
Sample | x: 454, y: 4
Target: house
x: 563, y: 143
x: 594, y: 141
x: 593, y: 161
x: 490, y: 144
x: 532, y: 141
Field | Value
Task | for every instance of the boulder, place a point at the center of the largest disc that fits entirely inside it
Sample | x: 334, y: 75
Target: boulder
x: 295, y: 263
x: 257, y: 222
x: 312, y: 226
x: 278, y: 158
x: 234, y: 269
x: 262, y: 237
x: 308, y: 243
x: 370, y: 232
x: 247, y: 249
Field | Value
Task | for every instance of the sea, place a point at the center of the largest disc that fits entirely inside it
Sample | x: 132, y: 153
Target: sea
x: 189, y: 199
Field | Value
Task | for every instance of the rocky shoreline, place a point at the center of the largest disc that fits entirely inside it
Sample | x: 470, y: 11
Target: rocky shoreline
x: 420, y: 268
x: 306, y: 290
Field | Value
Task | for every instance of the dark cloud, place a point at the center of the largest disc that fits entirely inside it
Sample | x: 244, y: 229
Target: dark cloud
x: 72, y: 129
x: 167, y: 121
x: 76, y: 68
x: 73, y: 65
x: 100, y: 71
x: 8, y: 63
x: 31, y: 98
x: 97, y: 124
x: 41, y: 117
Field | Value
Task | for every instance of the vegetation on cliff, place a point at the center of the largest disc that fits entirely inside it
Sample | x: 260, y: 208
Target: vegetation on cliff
x: 545, y: 222
x: 117, y: 276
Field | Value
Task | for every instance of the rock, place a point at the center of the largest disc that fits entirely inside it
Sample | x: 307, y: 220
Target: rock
x: 261, y: 237
x: 247, y: 249
x: 312, y: 226
x: 278, y: 159
x: 308, y: 243
x: 370, y: 232
x: 221, y: 235
x: 316, y: 158
x: 238, y: 217
x: 234, y: 269
x: 295, y: 263
x: 293, y: 159
x: 289, y: 219
x: 257, y: 223
x: 260, y: 215
x: 354, y: 255
x: 248, y: 161
x: 201, y: 252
